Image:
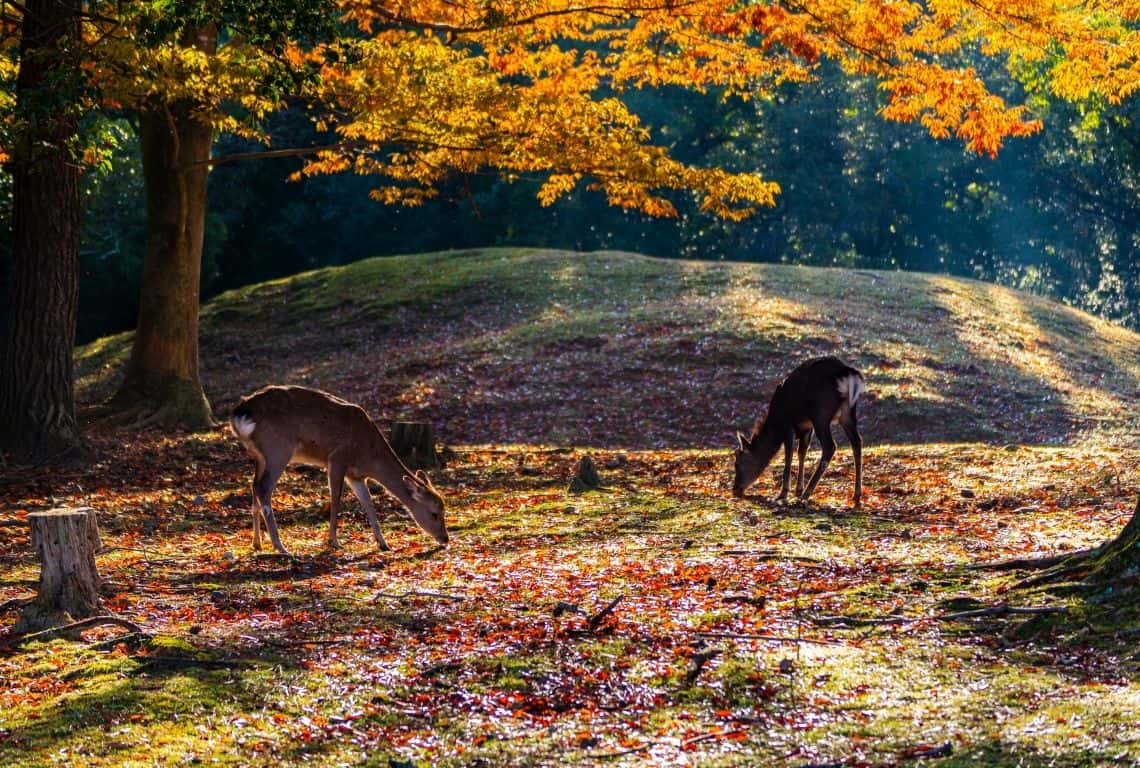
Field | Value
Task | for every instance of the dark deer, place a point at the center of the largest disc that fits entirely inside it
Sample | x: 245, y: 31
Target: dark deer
x: 817, y: 393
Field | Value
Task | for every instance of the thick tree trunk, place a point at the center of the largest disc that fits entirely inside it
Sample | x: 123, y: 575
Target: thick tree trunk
x: 414, y: 443
x: 162, y: 383
x: 41, y: 291
x: 65, y: 541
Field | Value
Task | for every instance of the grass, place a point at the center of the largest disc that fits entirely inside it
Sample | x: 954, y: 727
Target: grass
x: 1000, y: 425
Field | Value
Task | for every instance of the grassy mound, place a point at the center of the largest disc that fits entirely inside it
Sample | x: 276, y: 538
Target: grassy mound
x: 616, y: 349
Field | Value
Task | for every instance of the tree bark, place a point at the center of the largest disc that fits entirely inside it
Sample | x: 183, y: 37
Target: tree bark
x: 41, y: 280
x: 162, y: 384
x: 65, y: 541
x: 414, y: 443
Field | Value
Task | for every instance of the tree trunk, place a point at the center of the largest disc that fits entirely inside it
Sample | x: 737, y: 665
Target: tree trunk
x: 65, y: 541
x: 414, y: 443
x: 162, y: 384
x: 41, y: 281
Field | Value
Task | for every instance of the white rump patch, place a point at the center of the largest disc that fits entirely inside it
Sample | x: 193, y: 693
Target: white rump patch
x: 242, y: 425
x: 851, y: 387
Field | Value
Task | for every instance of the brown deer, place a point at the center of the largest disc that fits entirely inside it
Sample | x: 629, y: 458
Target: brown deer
x: 279, y: 425
x: 814, y: 395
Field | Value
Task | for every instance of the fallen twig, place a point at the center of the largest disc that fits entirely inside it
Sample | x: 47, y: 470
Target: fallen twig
x: 757, y: 602
x: 771, y: 554
x: 15, y: 602
x: 1002, y: 610
x: 190, y: 661
x: 995, y: 610
x: 74, y: 626
x: 149, y: 555
x: 707, y: 736
x: 103, y: 645
x: 593, y: 621
x: 773, y: 638
x: 620, y: 753
x: 303, y: 643
x: 1034, y: 563
x: 1048, y: 576
x: 924, y: 753
x: 562, y: 607
x: 418, y: 593
x: 697, y: 663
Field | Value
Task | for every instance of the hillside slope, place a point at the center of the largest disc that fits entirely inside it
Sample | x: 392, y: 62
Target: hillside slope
x: 615, y: 349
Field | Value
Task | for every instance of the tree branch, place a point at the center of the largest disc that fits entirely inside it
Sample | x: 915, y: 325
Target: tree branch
x: 75, y: 626
x: 615, y: 12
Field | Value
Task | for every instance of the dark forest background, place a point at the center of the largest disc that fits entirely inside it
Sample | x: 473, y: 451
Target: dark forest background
x: 1056, y: 214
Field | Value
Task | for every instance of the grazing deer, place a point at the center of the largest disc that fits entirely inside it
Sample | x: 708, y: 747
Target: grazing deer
x: 278, y: 425
x: 817, y: 393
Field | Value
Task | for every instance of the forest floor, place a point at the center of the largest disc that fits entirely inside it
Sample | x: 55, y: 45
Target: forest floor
x: 743, y: 633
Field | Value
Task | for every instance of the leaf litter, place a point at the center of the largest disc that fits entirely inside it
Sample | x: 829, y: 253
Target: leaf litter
x: 425, y: 656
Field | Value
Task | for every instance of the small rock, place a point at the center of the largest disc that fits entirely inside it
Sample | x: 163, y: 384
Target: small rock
x: 967, y: 493
x: 199, y: 500
x: 229, y: 557
x: 615, y: 462
x: 787, y: 666
x: 569, y: 509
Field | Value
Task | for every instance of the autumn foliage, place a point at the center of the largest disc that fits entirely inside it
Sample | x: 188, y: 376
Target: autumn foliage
x: 415, y: 91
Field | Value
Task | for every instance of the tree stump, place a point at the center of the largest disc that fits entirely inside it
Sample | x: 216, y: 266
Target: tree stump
x: 65, y: 541
x: 414, y: 443
x: 587, y: 478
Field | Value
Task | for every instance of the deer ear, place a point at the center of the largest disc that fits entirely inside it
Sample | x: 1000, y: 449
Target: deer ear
x: 742, y: 441
x: 422, y: 476
x: 411, y: 484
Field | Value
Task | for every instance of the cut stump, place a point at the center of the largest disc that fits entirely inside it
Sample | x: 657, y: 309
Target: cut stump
x: 414, y: 443
x: 65, y: 541
x: 587, y: 478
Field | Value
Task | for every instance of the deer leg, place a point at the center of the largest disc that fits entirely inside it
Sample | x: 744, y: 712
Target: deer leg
x: 805, y: 441
x: 856, y: 440
x: 256, y: 508
x: 360, y: 488
x: 787, y: 467
x: 336, y: 470
x: 263, y: 491
x: 827, y: 442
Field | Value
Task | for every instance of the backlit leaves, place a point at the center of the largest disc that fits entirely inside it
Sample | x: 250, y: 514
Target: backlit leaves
x: 415, y: 92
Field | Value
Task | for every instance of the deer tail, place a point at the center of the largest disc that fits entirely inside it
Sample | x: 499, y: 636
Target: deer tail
x: 241, y: 422
x: 851, y: 387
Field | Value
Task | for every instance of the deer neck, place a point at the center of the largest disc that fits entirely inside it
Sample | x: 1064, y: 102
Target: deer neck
x: 386, y: 468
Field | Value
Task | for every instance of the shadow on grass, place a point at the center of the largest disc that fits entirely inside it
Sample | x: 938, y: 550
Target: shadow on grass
x: 118, y: 697
x: 1000, y: 754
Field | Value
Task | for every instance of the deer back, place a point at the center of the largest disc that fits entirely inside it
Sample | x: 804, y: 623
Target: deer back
x: 310, y: 423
